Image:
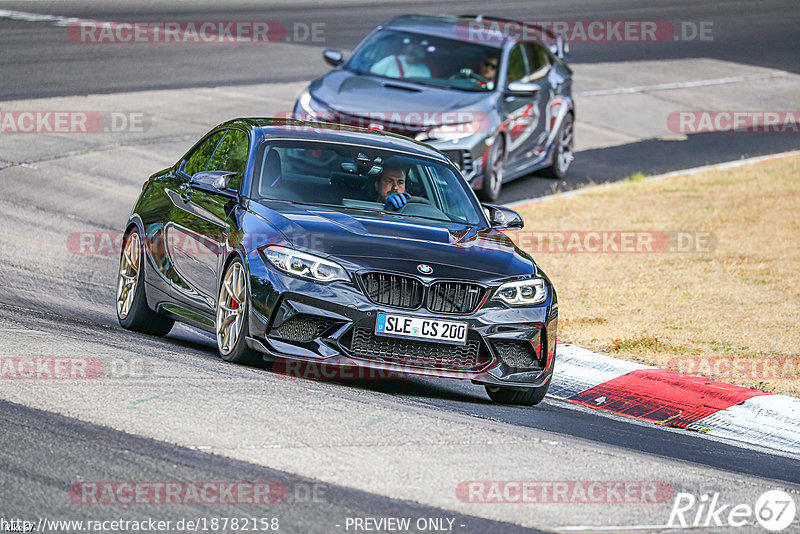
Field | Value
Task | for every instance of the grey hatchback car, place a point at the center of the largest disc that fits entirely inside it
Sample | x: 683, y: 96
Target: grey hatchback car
x: 494, y: 95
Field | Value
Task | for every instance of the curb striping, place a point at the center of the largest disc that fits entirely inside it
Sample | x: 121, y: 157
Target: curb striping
x: 664, y: 397
x: 677, y: 400
x: 579, y: 369
x: 771, y: 420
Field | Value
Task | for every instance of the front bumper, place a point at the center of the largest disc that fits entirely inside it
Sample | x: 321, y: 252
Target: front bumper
x: 469, y: 155
x: 333, y: 325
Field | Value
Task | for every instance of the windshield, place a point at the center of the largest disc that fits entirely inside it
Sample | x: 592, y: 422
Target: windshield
x: 353, y: 177
x: 428, y: 60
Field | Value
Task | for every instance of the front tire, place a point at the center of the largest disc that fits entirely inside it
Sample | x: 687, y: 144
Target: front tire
x: 133, y: 312
x: 565, y: 149
x: 232, y: 314
x: 494, y: 171
x: 518, y: 396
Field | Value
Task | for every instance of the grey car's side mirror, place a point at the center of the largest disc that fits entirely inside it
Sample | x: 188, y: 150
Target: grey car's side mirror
x: 503, y: 218
x: 561, y: 47
x: 524, y: 89
x: 332, y: 57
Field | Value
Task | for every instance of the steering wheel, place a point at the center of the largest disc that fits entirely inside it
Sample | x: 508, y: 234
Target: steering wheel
x: 411, y: 200
x: 416, y: 200
x: 469, y: 73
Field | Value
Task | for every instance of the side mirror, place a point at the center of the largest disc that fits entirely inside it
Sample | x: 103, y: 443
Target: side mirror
x: 503, y: 218
x: 523, y: 89
x: 561, y: 47
x: 215, y: 182
x: 332, y: 57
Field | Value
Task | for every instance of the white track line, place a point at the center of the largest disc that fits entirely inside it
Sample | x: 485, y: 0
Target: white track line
x: 582, y: 528
x: 55, y: 20
x: 682, y: 85
x: 683, y: 172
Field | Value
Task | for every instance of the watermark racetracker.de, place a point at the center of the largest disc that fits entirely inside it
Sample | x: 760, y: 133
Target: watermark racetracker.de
x: 194, y: 32
x: 614, y: 241
x: 177, y: 493
x: 734, y: 121
x: 534, y: 241
x: 72, y: 368
x: 564, y: 491
x: 727, y: 368
x: 434, y: 124
x: 73, y: 122
x: 584, y: 31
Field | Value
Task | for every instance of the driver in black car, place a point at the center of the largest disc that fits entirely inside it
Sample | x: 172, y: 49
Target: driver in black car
x: 390, y: 188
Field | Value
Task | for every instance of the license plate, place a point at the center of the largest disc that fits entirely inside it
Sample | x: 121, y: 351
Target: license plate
x: 421, y: 328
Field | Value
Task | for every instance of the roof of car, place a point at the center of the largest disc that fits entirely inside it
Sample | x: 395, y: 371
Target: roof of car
x: 454, y: 27
x: 270, y: 127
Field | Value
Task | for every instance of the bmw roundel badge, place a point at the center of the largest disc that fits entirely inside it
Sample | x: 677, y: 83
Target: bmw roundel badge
x: 424, y: 269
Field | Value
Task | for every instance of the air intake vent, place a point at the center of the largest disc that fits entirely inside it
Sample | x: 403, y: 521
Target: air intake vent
x: 393, y: 290
x: 466, y: 164
x: 461, y: 159
x: 519, y: 354
x: 454, y: 297
x: 301, y: 328
x: 366, y: 344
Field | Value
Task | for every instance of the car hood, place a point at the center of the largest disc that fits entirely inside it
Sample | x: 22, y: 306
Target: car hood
x: 365, y: 94
x: 392, y: 242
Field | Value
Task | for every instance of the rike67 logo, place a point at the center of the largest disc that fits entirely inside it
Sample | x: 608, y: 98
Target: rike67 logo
x: 774, y: 510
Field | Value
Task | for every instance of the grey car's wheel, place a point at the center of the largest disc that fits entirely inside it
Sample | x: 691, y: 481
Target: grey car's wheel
x: 564, y: 149
x: 494, y: 171
x: 231, y: 321
x: 133, y: 312
x: 520, y: 396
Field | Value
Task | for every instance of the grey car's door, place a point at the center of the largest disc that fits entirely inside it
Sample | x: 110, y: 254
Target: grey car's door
x: 522, y: 113
x: 539, y: 65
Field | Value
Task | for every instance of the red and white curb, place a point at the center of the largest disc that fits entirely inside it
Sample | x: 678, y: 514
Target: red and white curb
x: 677, y: 400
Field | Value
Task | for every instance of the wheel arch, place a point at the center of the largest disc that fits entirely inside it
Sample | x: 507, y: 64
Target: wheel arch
x: 233, y: 255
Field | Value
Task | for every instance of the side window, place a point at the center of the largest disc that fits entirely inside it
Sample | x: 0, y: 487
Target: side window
x: 538, y: 60
x: 517, y: 69
x: 231, y: 155
x: 199, y: 159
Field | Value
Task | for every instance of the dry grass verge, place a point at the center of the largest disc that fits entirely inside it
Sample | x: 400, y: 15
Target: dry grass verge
x: 729, y: 310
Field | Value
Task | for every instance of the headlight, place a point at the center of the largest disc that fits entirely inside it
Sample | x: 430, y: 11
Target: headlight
x: 313, y: 108
x: 304, y: 265
x: 522, y: 293
x: 451, y: 132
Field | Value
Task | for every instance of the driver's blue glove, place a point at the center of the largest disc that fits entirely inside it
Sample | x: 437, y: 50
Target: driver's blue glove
x: 396, y: 200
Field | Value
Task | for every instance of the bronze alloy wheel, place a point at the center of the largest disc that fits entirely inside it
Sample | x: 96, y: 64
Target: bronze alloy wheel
x: 231, y: 308
x: 132, y: 309
x: 128, y: 279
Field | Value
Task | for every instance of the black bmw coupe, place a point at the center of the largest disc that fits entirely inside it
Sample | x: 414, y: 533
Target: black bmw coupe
x: 349, y: 248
